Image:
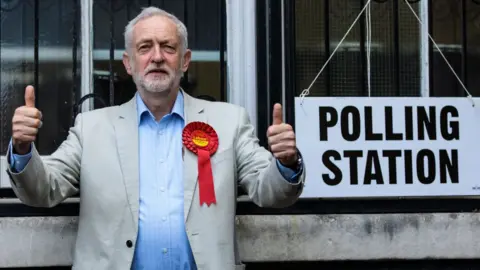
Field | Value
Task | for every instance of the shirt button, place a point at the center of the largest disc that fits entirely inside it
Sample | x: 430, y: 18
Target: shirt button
x: 164, y: 218
x: 129, y: 243
x: 162, y: 189
x: 161, y: 160
x: 164, y: 250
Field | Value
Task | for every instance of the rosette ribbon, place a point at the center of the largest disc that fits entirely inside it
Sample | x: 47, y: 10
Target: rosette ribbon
x: 201, y: 139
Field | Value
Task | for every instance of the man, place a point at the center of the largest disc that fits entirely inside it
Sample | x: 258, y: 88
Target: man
x: 145, y: 201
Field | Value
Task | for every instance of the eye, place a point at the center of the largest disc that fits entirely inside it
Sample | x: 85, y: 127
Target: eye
x: 169, y: 49
x: 143, y: 48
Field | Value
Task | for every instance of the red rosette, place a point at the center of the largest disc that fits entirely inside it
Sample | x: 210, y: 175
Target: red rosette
x: 199, y: 135
x: 201, y: 139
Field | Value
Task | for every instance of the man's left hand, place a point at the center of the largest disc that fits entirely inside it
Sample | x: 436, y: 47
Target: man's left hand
x: 281, y: 139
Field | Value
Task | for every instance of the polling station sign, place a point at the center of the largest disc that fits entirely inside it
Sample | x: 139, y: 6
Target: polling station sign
x: 381, y: 146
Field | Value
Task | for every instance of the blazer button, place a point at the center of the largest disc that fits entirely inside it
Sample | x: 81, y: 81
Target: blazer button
x: 129, y: 243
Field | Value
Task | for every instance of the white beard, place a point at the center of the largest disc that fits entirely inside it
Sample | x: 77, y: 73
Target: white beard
x: 156, y: 83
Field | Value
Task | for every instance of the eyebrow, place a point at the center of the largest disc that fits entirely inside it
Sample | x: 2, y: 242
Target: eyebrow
x: 144, y: 40
x: 149, y: 40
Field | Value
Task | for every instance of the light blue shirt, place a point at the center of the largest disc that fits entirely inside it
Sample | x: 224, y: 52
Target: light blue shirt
x: 162, y: 241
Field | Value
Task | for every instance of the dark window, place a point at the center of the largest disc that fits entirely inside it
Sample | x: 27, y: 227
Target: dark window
x: 206, y: 38
x: 39, y: 44
x: 456, y: 26
x: 312, y: 30
x: 394, y: 50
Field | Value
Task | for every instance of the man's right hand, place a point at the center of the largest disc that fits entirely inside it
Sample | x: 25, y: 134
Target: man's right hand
x: 25, y: 123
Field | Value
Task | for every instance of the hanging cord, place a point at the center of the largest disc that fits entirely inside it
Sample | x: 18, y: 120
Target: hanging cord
x: 306, y: 92
x: 444, y: 58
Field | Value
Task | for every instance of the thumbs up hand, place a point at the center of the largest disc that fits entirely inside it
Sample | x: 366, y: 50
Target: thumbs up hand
x: 281, y: 139
x: 25, y: 123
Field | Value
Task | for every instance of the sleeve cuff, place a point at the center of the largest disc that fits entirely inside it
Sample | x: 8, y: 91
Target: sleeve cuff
x: 18, y: 162
x: 289, y: 174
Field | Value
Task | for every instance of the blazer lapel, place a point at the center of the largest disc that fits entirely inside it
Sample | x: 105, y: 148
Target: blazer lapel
x: 126, y: 131
x: 194, y: 111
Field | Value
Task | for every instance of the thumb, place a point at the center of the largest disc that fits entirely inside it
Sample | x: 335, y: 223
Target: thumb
x: 277, y: 114
x: 30, y: 96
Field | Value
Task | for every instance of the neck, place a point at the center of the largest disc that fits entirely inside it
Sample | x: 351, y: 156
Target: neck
x: 160, y: 104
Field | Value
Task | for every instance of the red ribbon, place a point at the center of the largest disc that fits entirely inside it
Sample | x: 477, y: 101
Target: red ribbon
x: 201, y: 139
x: 205, y: 178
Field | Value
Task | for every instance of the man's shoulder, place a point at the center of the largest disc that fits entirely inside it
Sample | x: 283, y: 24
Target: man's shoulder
x: 215, y: 106
x: 100, y: 112
x: 99, y: 115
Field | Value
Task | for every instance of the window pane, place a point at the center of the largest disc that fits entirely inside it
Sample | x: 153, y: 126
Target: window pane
x: 447, y: 33
x: 394, y: 50
x: 473, y: 47
x: 456, y: 29
x: 54, y: 72
x: 203, y: 24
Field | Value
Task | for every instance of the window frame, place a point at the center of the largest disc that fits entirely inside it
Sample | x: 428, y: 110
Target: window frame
x: 89, y: 54
x: 241, y: 44
x: 269, y: 17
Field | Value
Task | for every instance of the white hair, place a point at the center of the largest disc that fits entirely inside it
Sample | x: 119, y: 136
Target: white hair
x: 154, y: 11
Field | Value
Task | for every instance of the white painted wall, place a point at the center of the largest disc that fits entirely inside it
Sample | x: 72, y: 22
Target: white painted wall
x: 42, y: 241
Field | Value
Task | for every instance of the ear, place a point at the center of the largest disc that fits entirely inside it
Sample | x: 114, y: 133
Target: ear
x: 126, y: 63
x: 186, y: 60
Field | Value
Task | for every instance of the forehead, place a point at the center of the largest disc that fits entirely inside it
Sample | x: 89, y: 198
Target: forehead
x: 155, y: 28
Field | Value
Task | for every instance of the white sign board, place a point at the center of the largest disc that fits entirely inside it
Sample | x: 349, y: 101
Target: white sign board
x: 382, y: 146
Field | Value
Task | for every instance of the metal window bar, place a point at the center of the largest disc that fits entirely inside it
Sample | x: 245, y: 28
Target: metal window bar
x: 112, y: 51
x: 463, y: 75
x: 74, y: 56
x: 363, y: 54
x: 185, y: 21
x: 326, y: 29
x: 35, y: 56
x: 396, y: 44
x: 289, y: 55
x: 430, y: 48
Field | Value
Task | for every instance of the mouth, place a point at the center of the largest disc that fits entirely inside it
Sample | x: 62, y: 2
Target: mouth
x: 158, y: 71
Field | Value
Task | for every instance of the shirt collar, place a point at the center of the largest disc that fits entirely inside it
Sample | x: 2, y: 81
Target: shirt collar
x: 142, y: 108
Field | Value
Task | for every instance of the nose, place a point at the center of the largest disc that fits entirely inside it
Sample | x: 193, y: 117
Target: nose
x: 157, y: 56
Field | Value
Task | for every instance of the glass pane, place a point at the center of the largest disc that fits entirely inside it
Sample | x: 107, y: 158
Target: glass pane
x: 456, y: 29
x: 321, y: 22
x: 447, y: 33
x: 473, y: 46
x: 55, y: 73
x: 203, y: 24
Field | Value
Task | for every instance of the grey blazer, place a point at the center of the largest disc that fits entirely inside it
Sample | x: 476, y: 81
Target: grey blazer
x: 100, y: 154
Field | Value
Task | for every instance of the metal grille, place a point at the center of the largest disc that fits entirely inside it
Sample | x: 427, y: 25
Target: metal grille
x: 345, y: 75
x: 395, y: 51
x: 399, y: 46
x: 43, y: 49
x: 320, y: 25
x: 205, y: 22
x: 39, y: 41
